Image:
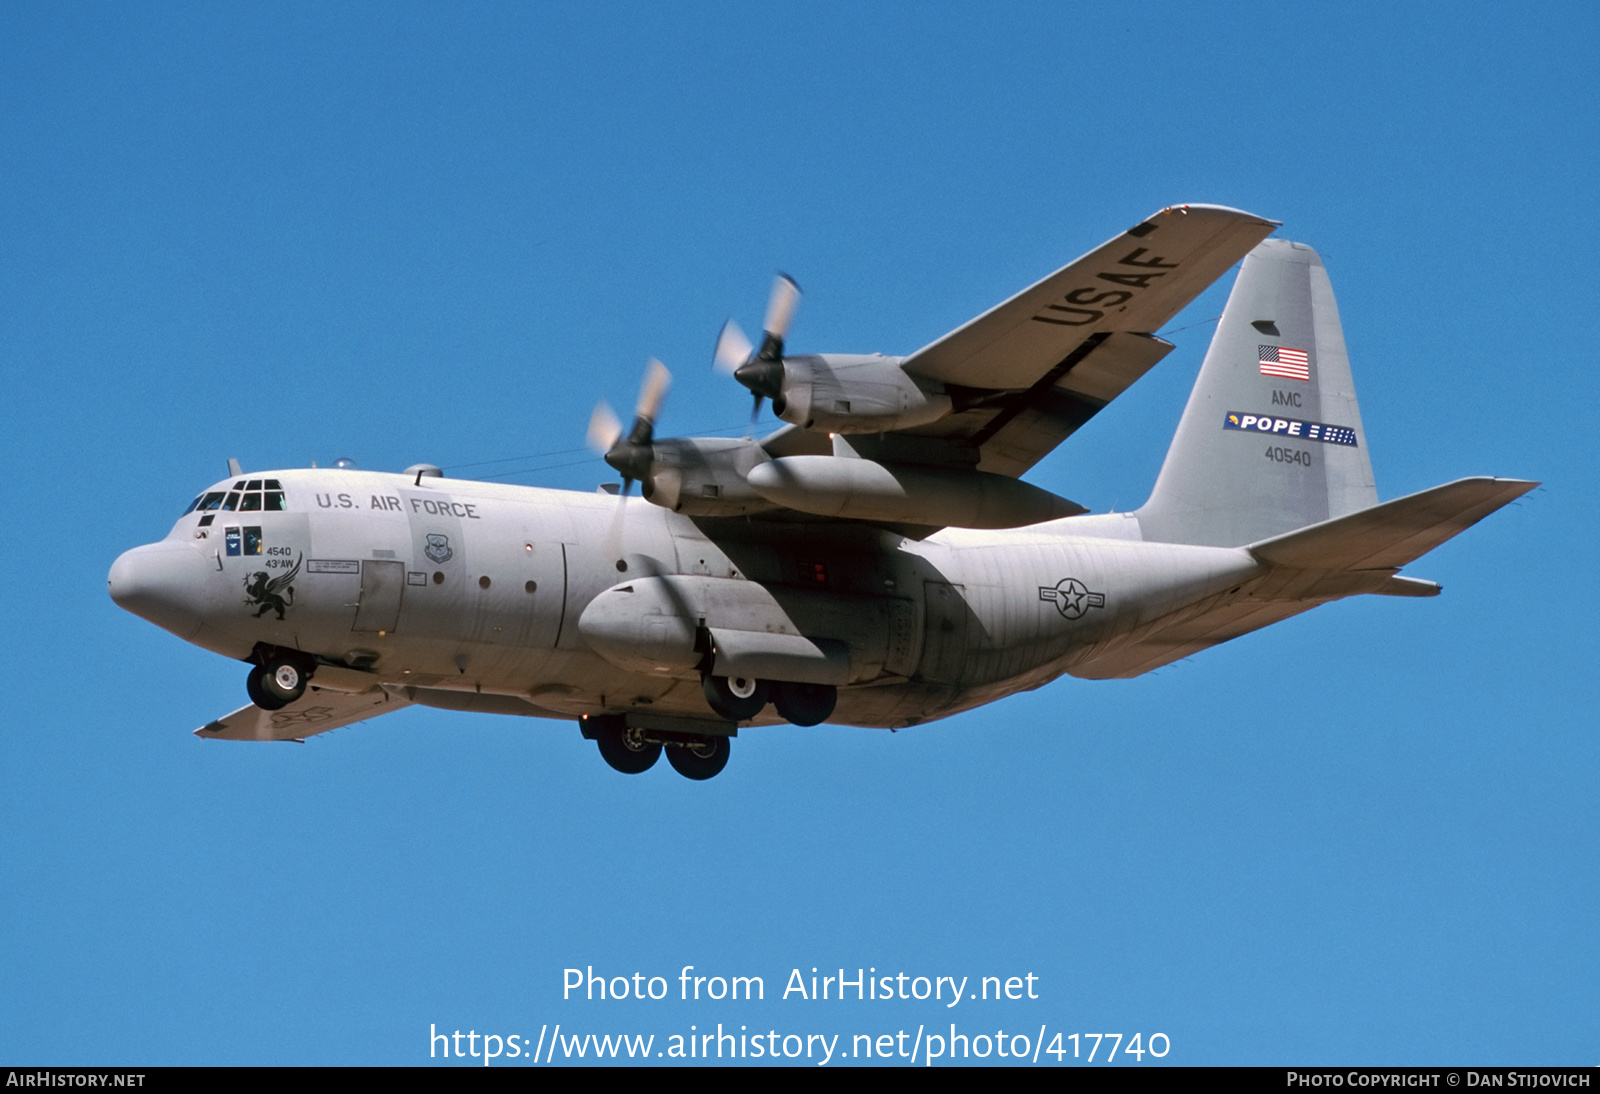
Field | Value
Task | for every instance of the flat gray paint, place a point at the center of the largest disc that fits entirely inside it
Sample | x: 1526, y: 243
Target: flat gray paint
x: 503, y: 599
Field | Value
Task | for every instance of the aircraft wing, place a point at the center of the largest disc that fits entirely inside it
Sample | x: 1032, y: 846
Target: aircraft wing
x: 317, y: 711
x: 1028, y: 372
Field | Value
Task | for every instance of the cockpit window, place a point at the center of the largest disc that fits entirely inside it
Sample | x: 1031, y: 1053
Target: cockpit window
x: 239, y: 485
x: 253, y: 500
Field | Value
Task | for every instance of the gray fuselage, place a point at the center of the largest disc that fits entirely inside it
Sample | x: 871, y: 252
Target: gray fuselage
x: 480, y: 590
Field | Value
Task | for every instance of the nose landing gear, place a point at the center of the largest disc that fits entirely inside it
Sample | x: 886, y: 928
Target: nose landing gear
x: 277, y: 682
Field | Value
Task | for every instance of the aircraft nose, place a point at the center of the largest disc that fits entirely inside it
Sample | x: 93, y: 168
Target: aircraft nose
x: 162, y: 582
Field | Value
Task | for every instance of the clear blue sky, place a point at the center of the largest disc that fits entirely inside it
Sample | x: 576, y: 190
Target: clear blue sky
x: 399, y: 232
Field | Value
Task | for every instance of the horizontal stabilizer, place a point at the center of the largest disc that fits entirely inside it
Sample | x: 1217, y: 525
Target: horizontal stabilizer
x: 1346, y: 556
x: 1389, y: 535
x: 317, y: 711
x: 1408, y: 586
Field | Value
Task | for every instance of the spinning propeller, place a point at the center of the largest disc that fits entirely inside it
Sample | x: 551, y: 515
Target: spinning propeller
x: 760, y: 370
x: 630, y: 456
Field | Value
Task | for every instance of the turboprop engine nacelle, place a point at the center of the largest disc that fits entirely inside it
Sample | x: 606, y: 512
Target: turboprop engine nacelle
x: 842, y: 486
x: 859, y: 394
x: 705, y: 476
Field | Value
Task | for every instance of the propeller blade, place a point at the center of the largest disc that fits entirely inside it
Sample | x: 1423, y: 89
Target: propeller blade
x: 781, y: 306
x: 605, y: 430
x: 656, y: 381
x: 613, y: 540
x: 733, y: 348
x: 760, y: 370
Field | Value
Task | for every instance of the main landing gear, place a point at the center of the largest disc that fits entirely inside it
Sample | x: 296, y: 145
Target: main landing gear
x: 626, y: 749
x: 736, y: 698
x: 740, y: 698
x: 633, y: 751
x: 700, y: 759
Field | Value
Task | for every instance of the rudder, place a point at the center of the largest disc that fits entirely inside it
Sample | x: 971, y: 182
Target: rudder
x: 1271, y: 439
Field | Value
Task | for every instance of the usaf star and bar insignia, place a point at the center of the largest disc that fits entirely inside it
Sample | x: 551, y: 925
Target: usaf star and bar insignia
x: 1071, y: 597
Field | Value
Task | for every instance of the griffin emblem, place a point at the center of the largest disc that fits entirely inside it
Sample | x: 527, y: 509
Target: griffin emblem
x: 271, y: 593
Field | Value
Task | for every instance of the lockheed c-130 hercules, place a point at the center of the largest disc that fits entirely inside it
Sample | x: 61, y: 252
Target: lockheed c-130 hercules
x: 877, y: 561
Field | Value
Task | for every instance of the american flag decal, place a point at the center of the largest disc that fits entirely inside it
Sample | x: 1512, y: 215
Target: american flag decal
x: 1291, y: 364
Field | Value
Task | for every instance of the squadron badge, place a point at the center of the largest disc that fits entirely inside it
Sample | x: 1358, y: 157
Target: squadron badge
x: 269, y: 593
x: 438, y: 549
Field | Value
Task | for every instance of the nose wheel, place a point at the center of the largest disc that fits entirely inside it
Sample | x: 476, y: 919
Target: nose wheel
x: 277, y: 683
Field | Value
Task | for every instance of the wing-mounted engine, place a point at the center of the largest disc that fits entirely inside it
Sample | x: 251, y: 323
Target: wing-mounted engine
x: 869, y: 399
x: 700, y: 476
x: 705, y: 476
x: 830, y: 393
x: 847, y: 486
x: 853, y: 394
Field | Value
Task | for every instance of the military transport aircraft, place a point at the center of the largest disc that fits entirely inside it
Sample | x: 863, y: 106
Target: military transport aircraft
x: 878, y: 561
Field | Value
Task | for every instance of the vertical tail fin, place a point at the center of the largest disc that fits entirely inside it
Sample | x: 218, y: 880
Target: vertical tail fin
x: 1271, y: 439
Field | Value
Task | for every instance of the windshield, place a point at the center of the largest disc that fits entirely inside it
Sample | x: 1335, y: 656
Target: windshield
x: 247, y: 496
